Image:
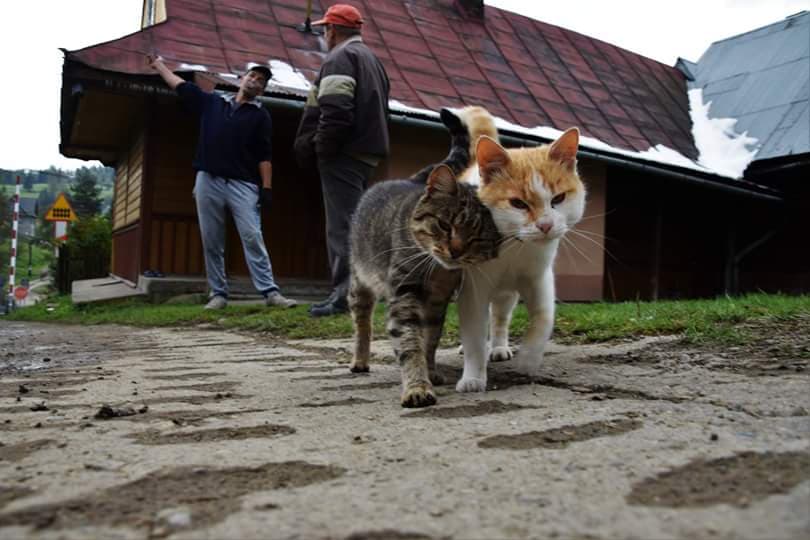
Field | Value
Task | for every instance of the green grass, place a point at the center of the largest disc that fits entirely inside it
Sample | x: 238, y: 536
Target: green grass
x: 696, y: 320
x: 40, y: 259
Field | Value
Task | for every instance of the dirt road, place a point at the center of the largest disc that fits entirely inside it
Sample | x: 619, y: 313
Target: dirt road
x: 209, y: 434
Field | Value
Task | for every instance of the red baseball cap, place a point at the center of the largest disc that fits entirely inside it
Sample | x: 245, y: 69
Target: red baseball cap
x: 342, y: 15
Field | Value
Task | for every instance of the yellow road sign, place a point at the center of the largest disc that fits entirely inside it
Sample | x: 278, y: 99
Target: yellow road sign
x: 60, y: 210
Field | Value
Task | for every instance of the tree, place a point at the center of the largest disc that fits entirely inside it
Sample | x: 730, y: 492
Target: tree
x: 85, y: 195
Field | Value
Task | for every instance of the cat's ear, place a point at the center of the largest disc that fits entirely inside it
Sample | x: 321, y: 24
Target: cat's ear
x: 442, y: 180
x: 451, y: 120
x: 490, y: 155
x: 564, y: 149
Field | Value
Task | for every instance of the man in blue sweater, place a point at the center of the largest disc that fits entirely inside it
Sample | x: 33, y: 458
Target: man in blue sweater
x: 234, y: 173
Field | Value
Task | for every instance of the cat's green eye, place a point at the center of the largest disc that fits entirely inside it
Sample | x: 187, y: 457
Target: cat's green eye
x: 558, y: 199
x: 519, y: 204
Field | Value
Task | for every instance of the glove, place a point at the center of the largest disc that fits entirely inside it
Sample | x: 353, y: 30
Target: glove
x: 265, y: 198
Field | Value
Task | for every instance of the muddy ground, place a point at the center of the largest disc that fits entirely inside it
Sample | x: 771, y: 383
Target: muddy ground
x: 128, y: 433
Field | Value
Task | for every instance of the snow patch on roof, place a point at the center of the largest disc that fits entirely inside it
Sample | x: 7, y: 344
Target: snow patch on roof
x: 721, y: 148
x: 192, y: 67
x: 288, y: 79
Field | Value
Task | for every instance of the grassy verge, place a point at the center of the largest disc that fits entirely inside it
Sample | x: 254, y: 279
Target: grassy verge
x: 697, y: 320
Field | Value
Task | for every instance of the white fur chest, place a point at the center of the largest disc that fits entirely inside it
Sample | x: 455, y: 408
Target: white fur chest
x: 517, y: 264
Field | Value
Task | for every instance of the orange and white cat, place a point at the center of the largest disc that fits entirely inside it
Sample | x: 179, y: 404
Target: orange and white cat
x: 535, y: 196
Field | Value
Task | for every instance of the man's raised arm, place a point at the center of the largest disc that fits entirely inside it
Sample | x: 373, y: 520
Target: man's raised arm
x: 156, y: 63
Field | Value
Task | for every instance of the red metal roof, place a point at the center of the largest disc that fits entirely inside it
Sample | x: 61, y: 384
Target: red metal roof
x: 522, y: 70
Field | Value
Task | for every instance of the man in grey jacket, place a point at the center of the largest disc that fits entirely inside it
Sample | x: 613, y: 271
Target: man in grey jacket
x: 344, y: 129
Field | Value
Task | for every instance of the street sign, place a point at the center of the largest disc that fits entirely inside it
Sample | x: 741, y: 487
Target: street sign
x: 60, y: 210
x: 20, y: 293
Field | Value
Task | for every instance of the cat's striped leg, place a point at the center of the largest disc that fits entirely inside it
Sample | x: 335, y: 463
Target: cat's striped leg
x: 434, y: 314
x: 539, y: 298
x: 405, y: 327
x: 361, y: 303
x: 503, y: 303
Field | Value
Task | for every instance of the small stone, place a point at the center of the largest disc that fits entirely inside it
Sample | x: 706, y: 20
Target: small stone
x: 713, y: 437
x: 23, y: 389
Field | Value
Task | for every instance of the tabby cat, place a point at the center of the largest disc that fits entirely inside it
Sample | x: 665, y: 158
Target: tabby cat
x: 535, y: 196
x: 410, y: 240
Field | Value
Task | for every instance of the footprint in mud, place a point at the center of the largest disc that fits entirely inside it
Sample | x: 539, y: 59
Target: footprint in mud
x: 186, y: 376
x: 338, y: 403
x: 210, y: 495
x: 482, y: 408
x: 224, y: 386
x: 737, y: 480
x: 366, y: 386
x: 153, y: 437
x: 560, y: 437
x: 12, y: 493
x: 387, y: 534
x: 19, y: 451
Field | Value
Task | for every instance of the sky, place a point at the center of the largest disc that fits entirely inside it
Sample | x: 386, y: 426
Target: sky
x: 31, y: 33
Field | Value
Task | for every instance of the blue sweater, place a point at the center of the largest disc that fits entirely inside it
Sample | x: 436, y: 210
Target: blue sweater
x: 232, y: 141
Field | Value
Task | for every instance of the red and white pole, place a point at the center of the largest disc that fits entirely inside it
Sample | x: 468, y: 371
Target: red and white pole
x: 15, y: 217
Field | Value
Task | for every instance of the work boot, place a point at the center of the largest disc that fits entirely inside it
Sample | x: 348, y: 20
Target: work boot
x: 216, y: 302
x: 338, y: 307
x: 329, y: 299
x: 276, y: 299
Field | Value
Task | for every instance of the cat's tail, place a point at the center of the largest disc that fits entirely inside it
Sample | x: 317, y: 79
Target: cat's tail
x: 465, y: 126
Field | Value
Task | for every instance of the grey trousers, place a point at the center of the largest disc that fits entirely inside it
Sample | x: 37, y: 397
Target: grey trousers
x: 213, y: 196
x: 343, y: 181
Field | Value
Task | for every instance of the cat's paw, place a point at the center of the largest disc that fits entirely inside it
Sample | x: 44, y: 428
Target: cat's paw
x: 500, y: 354
x: 460, y: 350
x: 528, y: 365
x: 358, y: 367
x: 418, y: 395
x: 468, y: 384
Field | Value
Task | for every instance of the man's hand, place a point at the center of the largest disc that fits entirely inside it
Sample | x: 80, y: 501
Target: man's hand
x: 156, y: 63
x: 265, y: 198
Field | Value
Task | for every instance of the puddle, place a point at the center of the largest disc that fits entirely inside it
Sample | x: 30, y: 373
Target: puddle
x: 153, y: 437
x: 16, y: 452
x: 211, y: 495
x: 482, y: 408
x: 737, y: 480
x: 338, y: 403
x: 560, y: 437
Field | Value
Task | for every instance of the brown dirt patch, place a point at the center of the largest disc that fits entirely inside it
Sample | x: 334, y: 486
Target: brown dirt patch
x: 265, y: 431
x: 560, y: 437
x: 223, y: 386
x: 338, y: 403
x: 16, y: 452
x: 303, y: 369
x: 47, y: 385
x: 210, y: 494
x: 12, y: 493
x: 737, y: 480
x: 187, y: 376
x: 771, y: 348
x: 481, y: 408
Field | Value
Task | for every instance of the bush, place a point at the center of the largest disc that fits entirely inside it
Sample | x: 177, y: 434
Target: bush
x: 86, y: 254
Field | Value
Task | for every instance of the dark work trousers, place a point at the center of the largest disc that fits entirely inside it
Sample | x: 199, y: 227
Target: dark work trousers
x: 343, y: 181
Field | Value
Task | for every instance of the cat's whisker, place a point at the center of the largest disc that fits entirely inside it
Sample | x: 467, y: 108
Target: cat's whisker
x: 571, y: 243
x: 594, y: 216
x: 601, y: 245
x: 417, y: 266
